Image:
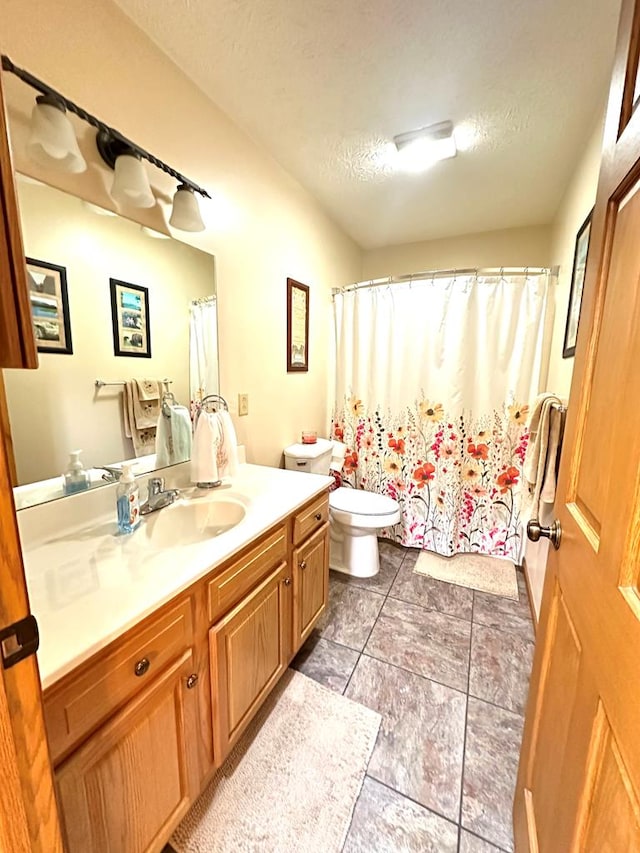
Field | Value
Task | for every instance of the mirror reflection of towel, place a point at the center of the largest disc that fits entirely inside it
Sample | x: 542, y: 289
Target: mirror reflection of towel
x: 173, y: 437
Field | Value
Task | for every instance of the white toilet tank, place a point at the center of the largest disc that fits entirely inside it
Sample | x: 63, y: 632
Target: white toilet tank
x: 311, y: 458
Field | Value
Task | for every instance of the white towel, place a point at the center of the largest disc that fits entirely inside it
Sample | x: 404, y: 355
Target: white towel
x: 338, y: 453
x: 228, y: 447
x: 215, y: 448
x: 204, y: 455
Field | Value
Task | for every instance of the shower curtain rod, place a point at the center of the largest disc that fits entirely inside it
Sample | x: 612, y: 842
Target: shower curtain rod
x: 432, y: 274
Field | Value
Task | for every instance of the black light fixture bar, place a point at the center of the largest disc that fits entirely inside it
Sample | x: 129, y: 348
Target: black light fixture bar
x: 102, y: 128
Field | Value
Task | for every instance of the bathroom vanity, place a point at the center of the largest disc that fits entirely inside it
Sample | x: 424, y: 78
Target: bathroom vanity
x: 155, y: 657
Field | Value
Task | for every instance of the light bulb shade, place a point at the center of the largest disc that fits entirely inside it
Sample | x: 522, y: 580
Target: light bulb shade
x: 185, y: 214
x: 52, y: 140
x: 131, y: 186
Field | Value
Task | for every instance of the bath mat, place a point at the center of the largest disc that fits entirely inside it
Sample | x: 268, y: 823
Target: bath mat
x: 475, y: 571
x: 291, y: 782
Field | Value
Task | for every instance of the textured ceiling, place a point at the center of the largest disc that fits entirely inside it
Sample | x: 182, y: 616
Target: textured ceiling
x: 324, y: 85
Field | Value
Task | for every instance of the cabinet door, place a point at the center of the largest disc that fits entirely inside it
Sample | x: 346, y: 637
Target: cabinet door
x: 17, y: 341
x: 127, y: 787
x: 248, y: 650
x: 311, y: 583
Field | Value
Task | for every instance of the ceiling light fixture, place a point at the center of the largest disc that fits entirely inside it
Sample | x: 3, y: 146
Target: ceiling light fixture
x: 420, y: 149
x: 53, y: 142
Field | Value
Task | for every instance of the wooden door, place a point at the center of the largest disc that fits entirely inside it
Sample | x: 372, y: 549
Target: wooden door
x: 579, y: 779
x: 310, y: 583
x: 28, y: 812
x: 249, y: 653
x: 127, y: 787
x: 17, y: 341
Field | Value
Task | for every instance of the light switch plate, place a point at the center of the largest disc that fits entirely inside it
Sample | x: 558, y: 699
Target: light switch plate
x: 243, y: 404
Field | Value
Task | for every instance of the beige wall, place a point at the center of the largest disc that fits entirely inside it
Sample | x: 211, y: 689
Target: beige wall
x: 56, y: 408
x: 512, y: 247
x: 265, y: 226
x: 578, y: 200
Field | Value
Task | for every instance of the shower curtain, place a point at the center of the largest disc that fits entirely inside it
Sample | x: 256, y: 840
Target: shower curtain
x: 434, y: 379
x: 203, y: 351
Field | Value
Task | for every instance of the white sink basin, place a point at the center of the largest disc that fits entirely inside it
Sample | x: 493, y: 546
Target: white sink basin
x: 190, y: 522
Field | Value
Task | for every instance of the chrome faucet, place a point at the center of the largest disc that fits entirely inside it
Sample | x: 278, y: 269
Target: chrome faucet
x: 111, y: 473
x: 157, y: 497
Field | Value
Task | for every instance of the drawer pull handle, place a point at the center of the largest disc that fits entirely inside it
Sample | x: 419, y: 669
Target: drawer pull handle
x: 318, y: 516
x: 287, y: 581
x: 303, y: 565
x: 192, y: 680
x: 142, y: 667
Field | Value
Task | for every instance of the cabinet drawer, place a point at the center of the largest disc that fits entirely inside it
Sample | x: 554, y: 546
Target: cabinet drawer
x: 309, y: 519
x: 80, y: 703
x: 227, y: 588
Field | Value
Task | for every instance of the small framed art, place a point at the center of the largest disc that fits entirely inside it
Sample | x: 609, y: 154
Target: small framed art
x: 49, y: 306
x: 297, y: 326
x: 130, y: 318
x: 577, y: 285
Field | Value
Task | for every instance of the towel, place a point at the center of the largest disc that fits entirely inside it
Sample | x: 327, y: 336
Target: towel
x: 206, y: 441
x: 228, y: 449
x: 173, y: 437
x: 215, y: 448
x: 148, y: 389
x: 540, y: 461
x: 140, y: 429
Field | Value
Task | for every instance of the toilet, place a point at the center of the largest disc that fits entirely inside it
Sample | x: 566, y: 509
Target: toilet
x: 355, y: 516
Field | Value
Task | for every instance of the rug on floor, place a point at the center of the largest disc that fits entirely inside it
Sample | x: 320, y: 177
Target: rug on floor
x: 475, y: 571
x: 291, y: 782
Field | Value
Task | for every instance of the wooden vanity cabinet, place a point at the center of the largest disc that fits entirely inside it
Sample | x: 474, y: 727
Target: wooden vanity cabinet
x: 248, y: 653
x: 310, y: 583
x: 128, y: 785
x: 138, y: 730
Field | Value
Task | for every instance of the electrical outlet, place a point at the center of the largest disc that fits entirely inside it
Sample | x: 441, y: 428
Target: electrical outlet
x: 243, y: 404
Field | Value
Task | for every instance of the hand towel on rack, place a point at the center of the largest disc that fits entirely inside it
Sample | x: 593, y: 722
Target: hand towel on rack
x: 173, y: 437
x: 146, y: 402
x: 228, y: 447
x: 143, y: 433
x: 148, y: 389
x: 542, y: 451
x: 204, y: 456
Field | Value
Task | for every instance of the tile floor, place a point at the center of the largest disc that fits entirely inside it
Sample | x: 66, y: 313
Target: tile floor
x: 448, y: 670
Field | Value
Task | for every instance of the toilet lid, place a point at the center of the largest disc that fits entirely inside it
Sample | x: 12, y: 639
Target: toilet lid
x: 359, y: 502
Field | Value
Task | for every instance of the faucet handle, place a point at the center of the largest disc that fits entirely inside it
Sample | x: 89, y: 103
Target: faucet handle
x: 155, y: 485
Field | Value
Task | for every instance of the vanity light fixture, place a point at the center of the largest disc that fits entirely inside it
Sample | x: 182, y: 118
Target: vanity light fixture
x: 185, y: 214
x: 53, y: 143
x: 420, y: 149
x: 130, y: 187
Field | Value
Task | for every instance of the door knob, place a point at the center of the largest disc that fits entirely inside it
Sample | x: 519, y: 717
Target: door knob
x: 303, y: 565
x: 554, y: 532
x: 192, y: 680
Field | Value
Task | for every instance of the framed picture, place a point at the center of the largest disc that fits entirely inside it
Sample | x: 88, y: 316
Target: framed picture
x: 297, y: 327
x: 130, y: 318
x: 49, y: 306
x: 577, y: 284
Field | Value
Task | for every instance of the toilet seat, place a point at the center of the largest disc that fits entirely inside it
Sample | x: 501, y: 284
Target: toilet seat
x: 357, y: 508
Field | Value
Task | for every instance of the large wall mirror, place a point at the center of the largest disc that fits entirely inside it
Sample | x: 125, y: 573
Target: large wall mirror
x: 116, y: 303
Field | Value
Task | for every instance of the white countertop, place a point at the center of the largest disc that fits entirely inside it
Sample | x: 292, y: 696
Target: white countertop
x: 87, y: 585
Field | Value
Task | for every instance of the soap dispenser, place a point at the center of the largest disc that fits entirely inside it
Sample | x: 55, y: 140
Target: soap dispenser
x: 128, y: 501
x: 76, y: 478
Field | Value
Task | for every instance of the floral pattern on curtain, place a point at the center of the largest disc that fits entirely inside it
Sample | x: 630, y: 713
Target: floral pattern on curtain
x: 433, y: 382
x: 456, y: 479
